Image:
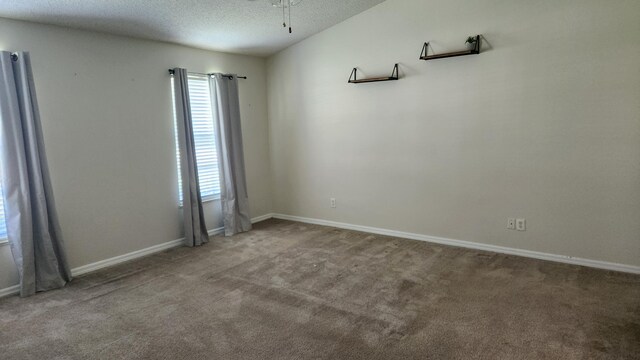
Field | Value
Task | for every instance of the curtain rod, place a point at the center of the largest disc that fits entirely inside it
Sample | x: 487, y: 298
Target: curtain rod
x: 225, y: 75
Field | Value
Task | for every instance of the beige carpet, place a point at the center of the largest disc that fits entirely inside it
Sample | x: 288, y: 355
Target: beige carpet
x: 293, y: 291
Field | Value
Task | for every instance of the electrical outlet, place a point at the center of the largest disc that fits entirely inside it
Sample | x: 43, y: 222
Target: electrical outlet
x: 521, y: 224
x: 333, y: 202
x: 511, y: 223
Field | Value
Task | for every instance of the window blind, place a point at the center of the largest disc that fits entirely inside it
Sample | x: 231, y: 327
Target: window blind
x: 204, y: 137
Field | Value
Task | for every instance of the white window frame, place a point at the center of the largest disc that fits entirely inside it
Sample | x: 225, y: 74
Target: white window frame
x: 208, y: 133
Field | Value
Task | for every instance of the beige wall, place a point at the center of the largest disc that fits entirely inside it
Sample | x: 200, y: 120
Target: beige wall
x: 105, y: 104
x: 543, y: 125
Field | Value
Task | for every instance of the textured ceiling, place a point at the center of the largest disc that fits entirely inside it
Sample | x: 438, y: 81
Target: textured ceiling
x: 240, y: 26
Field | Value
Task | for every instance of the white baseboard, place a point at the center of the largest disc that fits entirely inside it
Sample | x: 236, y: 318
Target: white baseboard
x: 470, y: 245
x: 216, y: 231
x: 261, y: 218
x: 11, y: 290
x: 84, y: 269
x: 400, y: 234
x: 81, y: 270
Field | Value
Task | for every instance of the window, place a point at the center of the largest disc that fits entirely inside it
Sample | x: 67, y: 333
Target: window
x: 204, y: 136
x: 3, y: 225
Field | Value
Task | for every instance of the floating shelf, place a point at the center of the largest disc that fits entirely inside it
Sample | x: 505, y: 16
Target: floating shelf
x: 354, y: 80
x: 474, y: 51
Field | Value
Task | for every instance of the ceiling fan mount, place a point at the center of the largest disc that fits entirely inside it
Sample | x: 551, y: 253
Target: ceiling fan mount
x: 284, y: 3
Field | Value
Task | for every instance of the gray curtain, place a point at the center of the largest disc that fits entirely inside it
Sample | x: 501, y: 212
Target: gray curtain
x: 235, y: 202
x: 30, y: 212
x: 195, y: 229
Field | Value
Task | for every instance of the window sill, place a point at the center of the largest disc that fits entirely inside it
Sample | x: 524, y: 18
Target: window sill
x: 4, y: 241
x: 205, y: 200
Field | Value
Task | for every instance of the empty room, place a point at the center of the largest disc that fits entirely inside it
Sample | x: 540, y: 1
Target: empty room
x: 319, y: 179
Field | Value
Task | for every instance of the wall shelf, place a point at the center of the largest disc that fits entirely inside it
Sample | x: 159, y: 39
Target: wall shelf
x: 353, y: 78
x: 474, y: 51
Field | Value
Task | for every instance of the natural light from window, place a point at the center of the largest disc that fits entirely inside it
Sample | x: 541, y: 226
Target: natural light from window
x: 204, y: 136
x: 3, y: 225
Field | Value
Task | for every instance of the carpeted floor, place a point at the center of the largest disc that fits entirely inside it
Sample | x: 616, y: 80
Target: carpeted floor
x: 294, y: 291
